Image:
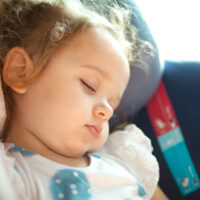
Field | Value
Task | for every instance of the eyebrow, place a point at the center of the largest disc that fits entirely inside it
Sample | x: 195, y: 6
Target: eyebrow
x: 98, y: 69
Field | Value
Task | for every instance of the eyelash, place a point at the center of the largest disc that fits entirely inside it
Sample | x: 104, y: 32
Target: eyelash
x: 93, y: 91
x: 88, y: 86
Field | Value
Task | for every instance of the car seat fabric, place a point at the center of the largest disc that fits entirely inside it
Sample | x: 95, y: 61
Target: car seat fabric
x: 145, y: 75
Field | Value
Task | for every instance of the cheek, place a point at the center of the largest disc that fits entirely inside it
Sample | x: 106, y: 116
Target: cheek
x: 68, y: 107
x: 106, y: 132
x: 52, y: 105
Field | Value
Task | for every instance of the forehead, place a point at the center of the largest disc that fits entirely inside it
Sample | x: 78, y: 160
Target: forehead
x: 98, y: 47
x: 98, y: 39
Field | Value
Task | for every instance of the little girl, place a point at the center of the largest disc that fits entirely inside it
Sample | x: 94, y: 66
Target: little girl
x: 64, y: 70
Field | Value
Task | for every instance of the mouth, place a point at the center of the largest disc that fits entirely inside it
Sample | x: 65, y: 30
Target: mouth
x: 95, y: 130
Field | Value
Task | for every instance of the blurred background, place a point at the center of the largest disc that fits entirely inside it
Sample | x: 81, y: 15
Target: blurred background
x: 175, y: 25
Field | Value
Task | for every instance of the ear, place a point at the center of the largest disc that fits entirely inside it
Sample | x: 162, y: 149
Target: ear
x: 18, y: 67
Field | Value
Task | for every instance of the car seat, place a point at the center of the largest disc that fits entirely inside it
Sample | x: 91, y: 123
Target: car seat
x: 163, y: 100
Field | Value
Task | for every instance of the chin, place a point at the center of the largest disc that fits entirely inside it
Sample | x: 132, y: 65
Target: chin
x: 76, y: 154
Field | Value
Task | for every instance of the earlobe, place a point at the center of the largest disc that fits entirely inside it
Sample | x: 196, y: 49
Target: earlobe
x: 17, y: 69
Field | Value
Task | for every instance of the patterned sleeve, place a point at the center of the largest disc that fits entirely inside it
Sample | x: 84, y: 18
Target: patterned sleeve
x: 135, y: 152
x: 10, y: 181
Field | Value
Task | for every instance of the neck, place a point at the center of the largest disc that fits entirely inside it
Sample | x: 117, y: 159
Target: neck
x: 23, y: 138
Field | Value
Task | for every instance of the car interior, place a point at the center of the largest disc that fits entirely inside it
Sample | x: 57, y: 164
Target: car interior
x: 163, y: 99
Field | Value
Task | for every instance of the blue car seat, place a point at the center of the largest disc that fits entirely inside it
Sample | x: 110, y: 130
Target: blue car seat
x: 175, y: 87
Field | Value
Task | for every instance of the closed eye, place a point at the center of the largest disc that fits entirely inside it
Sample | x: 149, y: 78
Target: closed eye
x: 88, y: 86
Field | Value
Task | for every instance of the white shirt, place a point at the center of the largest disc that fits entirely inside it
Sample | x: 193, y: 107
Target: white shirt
x: 124, y: 169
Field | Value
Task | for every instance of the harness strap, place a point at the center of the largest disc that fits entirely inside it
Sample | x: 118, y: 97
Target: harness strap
x: 171, y: 141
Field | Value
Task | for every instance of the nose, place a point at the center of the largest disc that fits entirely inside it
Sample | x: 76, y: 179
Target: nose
x: 104, y: 112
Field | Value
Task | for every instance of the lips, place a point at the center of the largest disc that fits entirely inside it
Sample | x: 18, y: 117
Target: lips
x: 95, y: 130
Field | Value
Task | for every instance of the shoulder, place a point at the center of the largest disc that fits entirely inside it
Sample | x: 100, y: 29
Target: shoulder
x: 18, y: 176
x: 10, y: 179
x: 133, y: 149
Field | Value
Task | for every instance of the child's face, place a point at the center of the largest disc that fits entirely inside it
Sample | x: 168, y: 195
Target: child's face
x: 67, y: 109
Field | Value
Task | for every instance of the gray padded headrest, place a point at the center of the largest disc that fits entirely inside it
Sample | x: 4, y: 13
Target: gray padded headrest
x: 144, y: 76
